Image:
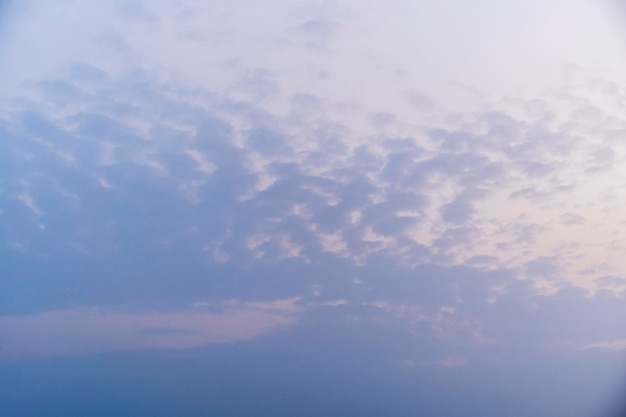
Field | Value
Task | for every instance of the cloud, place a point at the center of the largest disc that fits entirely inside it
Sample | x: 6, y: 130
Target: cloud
x: 230, y: 200
x: 315, y: 33
x: 449, y: 363
x: 311, y: 196
x: 610, y: 345
x: 92, y: 330
x: 135, y: 10
x: 26, y: 198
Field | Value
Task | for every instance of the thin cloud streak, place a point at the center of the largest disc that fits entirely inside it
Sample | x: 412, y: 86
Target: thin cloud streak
x: 92, y: 330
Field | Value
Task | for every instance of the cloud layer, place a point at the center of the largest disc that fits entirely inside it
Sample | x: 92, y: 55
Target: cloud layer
x: 312, y: 208
x: 185, y: 195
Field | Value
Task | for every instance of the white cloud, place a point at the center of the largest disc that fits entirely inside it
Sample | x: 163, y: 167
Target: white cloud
x: 202, y: 164
x: 28, y: 200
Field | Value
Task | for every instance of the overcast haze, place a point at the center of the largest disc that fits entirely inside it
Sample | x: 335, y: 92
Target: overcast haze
x: 312, y: 208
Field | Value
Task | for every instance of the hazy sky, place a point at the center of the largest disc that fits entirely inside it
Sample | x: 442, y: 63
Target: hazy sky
x: 312, y: 208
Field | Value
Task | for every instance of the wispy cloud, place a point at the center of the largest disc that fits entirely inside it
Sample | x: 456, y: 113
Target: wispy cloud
x: 92, y: 330
x: 610, y: 345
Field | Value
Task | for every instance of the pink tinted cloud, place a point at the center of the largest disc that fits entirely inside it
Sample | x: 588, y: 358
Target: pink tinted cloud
x: 91, y: 330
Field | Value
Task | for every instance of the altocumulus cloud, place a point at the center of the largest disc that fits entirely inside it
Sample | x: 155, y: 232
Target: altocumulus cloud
x: 196, y: 193
x: 292, y: 194
x: 501, y: 185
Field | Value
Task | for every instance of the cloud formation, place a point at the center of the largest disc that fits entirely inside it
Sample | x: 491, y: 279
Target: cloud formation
x: 510, y: 187
x: 354, y: 197
x: 91, y: 331
x: 451, y: 232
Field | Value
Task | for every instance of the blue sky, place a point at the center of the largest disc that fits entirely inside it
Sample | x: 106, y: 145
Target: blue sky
x: 312, y: 208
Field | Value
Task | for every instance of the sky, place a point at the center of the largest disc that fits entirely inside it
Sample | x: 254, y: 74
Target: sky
x: 312, y: 208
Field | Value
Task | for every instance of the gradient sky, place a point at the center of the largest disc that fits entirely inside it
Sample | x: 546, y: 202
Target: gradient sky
x: 312, y: 208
